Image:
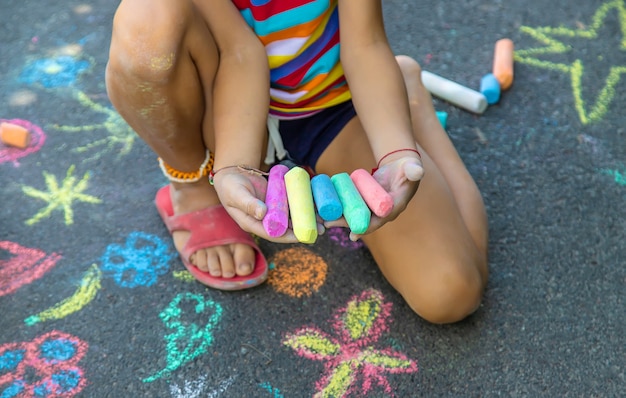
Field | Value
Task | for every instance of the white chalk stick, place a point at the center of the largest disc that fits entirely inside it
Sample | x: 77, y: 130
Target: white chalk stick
x: 454, y: 93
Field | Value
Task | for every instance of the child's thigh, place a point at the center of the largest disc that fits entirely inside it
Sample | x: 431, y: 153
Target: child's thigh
x: 427, y: 253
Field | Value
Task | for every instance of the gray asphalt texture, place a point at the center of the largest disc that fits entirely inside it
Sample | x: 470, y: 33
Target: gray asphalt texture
x: 552, y: 172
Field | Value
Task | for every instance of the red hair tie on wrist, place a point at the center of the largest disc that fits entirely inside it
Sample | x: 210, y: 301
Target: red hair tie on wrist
x: 396, y: 151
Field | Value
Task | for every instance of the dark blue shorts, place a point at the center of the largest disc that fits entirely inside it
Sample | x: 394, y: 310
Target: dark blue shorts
x: 306, y: 139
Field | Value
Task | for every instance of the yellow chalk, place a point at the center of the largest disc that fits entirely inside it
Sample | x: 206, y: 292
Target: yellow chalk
x: 301, y: 208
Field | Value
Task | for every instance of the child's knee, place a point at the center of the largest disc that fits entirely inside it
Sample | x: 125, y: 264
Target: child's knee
x: 448, y: 296
x: 146, y: 37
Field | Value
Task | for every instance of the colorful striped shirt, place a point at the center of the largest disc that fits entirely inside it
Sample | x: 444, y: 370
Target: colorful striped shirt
x: 301, y: 38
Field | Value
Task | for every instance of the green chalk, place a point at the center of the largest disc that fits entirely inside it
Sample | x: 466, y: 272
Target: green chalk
x: 355, y: 210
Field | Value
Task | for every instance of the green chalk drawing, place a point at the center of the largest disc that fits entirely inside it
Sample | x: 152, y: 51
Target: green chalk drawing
x: 549, y: 37
x: 187, y: 341
x: 120, y: 133
x: 618, y: 177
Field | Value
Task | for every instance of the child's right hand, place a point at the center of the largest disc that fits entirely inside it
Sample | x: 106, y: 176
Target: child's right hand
x: 242, y: 193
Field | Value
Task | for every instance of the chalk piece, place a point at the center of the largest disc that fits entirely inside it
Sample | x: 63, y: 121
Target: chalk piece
x: 355, y: 210
x: 326, y: 198
x: 454, y: 93
x: 276, y: 220
x: 490, y: 88
x: 377, y: 199
x: 443, y: 118
x: 14, y: 135
x: 503, y: 62
x: 301, y: 208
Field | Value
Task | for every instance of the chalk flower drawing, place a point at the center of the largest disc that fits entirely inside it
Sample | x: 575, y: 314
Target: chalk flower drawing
x: 549, y: 37
x: 351, y: 356
x: 187, y: 340
x: 60, y: 197
x: 44, y: 367
x: 139, y: 262
x: 61, y: 71
x: 120, y: 133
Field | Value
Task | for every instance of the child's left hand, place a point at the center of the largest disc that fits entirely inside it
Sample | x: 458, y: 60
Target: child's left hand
x: 400, y: 178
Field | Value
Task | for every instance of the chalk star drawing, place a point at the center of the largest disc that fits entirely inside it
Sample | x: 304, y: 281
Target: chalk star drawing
x: 187, y: 340
x: 60, y: 197
x: 351, y: 356
x: 549, y: 36
x: 120, y: 133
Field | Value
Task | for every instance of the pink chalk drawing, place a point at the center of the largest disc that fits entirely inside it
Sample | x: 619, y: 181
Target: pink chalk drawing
x: 44, y: 367
x: 37, y: 139
x: 351, y: 357
x: 342, y: 237
x: 25, y: 266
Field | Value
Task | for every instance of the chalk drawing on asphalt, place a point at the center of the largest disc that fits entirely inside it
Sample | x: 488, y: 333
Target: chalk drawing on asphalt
x: 60, y: 197
x: 187, y: 340
x: 37, y: 139
x: 120, y: 136
x: 23, y: 265
x: 86, y: 292
x: 139, y: 261
x: 351, y: 357
x: 53, y: 72
x: 297, y: 272
x: 44, y: 367
x: 554, y: 41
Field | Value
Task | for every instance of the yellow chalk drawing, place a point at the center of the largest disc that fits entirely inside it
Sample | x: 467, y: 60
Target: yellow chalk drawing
x: 552, y: 45
x: 162, y: 63
x: 60, y: 197
x: 184, y: 276
x: 86, y: 292
x: 120, y: 133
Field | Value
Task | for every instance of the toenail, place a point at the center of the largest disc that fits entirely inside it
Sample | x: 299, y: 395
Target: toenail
x: 244, y: 268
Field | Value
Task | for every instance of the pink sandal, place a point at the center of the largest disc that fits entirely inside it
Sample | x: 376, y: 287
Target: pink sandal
x: 210, y: 227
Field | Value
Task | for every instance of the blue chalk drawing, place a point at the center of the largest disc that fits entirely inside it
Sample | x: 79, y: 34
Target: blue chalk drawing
x: 10, y: 359
x: 58, y: 383
x: 61, y: 71
x: 14, y: 390
x: 274, y: 391
x: 187, y: 340
x: 140, y: 262
x: 59, y: 350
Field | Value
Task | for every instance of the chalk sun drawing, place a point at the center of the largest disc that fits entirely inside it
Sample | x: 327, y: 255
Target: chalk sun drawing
x: 37, y: 139
x: 86, y: 292
x: 139, y: 262
x: 60, y: 71
x: 351, y: 357
x: 44, y: 367
x: 549, y: 37
x: 297, y: 272
x: 187, y: 340
x: 24, y: 266
x: 120, y: 133
x: 60, y: 197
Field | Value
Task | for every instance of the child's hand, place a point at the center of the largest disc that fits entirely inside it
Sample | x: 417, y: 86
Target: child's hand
x: 242, y: 193
x: 401, y: 178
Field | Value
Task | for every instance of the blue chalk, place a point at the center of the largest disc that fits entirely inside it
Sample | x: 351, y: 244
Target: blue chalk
x: 326, y: 199
x: 490, y: 88
x: 443, y: 118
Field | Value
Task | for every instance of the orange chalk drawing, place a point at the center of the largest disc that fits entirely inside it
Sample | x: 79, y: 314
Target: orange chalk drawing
x: 297, y: 272
x: 25, y: 266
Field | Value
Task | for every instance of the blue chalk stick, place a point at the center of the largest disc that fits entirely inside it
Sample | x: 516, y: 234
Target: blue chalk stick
x: 443, y: 118
x: 326, y: 199
x: 490, y: 88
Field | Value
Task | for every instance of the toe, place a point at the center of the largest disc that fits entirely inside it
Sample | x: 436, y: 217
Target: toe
x: 213, y: 263
x: 226, y: 262
x: 244, y: 257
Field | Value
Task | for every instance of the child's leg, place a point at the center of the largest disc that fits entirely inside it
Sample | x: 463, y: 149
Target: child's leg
x: 435, y: 252
x: 160, y: 75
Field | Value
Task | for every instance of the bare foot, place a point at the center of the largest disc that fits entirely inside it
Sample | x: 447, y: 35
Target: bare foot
x: 220, y: 261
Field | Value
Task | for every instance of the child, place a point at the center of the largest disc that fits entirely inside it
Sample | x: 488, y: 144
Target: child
x: 196, y: 79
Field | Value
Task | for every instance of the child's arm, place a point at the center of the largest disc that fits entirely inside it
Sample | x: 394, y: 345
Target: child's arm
x: 378, y: 90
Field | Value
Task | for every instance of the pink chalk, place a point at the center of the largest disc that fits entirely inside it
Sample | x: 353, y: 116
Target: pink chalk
x: 276, y: 219
x: 378, y: 200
